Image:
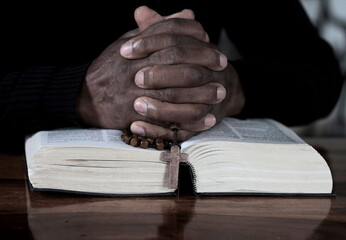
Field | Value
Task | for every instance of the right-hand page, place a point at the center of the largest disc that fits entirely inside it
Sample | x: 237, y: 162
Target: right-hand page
x: 251, y: 130
x: 255, y: 156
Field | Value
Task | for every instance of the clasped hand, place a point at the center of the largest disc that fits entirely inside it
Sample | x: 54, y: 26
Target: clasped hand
x: 166, y: 71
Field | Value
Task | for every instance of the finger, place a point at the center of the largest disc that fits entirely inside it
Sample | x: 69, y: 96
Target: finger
x: 211, y: 93
x: 175, y: 49
x: 176, y: 26
x: 130, y: 33
x: 177, y: 75
x: 146, y: 17
x: 141, y: 47
x: 208, y: 57
x: 201, y: 125
x: 155, y: 131
x: 186, y: 13
x: 186, y: 130
x: 168, y: 112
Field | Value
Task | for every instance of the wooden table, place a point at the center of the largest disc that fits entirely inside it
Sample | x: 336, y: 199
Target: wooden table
x: 47, y: 215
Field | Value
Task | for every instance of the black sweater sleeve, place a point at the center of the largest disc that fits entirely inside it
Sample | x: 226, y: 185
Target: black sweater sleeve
x: 38, y: 98
x: 44, y: 57
x: 287, y: 71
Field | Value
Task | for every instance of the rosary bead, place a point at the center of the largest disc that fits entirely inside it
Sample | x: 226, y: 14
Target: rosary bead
x: 126, y: 138
x: 134, y: 142
x: 160, y: 145
x: 144, y: 144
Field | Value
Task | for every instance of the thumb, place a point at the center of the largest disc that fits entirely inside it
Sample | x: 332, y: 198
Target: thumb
x: 145, y: 17
x: 186, y: 13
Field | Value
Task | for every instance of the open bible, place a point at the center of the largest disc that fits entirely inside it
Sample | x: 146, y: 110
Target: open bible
x: 254, y: 156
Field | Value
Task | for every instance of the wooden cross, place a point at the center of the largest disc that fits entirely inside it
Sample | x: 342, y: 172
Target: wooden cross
x: 174, y: 157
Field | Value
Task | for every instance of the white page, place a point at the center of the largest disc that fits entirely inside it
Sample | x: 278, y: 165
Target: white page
x: 252, y: 130
x: 75, y: 137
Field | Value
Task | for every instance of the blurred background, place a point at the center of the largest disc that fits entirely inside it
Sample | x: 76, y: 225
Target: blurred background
x: 329, y: 17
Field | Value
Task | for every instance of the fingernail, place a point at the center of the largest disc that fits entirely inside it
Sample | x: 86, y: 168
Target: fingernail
x: 220, y: 94
x: 223, y: 61
x: 137, y: 130
x: 141, y: 107
x: 206, y: 37
x: 126, y: 49
x: 210, y: 120
x: 139, y: 79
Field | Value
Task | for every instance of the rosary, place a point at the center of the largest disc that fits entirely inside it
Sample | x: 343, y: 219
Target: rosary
x: 174, y: 156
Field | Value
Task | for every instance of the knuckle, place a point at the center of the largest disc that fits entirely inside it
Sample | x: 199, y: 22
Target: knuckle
x: 211, y: 59
x: 157, y: 41
x: 155, y: 58
x: 165, y: 134
x: 168, y: 24
x: 189, y: 24
x: 171, y: 39
x: 195, y: 74
x: 179, y: 25
x: 184, y: 135
x: 175, y: 24
x: 199, y: 30
x: 199, y: 112
x: 210, y: 92
x: 169, y: 95
x: 173, y: 55
x: 214, y: 57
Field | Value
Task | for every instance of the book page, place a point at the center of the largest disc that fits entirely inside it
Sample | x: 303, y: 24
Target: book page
x: 251, y: 130
x: 93, y: 161
x: 83, y: 137
x: 93, y: 137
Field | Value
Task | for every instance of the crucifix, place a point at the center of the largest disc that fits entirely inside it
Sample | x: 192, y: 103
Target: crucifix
x: 174, y: 157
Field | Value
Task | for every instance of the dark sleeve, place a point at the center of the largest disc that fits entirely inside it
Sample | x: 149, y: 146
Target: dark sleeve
x: 287, y: 71
x: 44, y: 57
x: 38, y: 98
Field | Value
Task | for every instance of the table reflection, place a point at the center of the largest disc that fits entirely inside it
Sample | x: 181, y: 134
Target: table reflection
x: 67, y: 216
